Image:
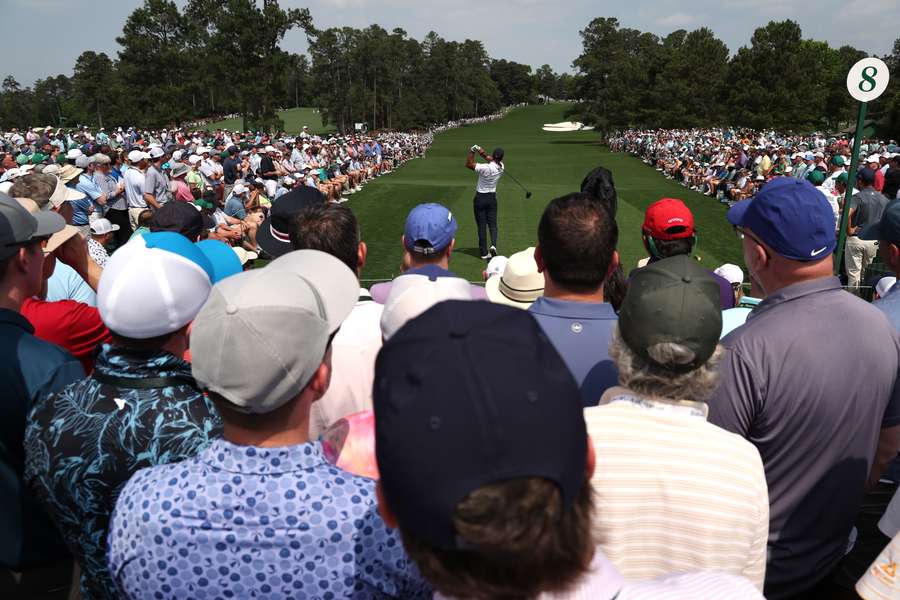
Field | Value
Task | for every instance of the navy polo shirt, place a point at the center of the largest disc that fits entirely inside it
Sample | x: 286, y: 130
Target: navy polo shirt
x: 580, y: 332
x: 30, y: 369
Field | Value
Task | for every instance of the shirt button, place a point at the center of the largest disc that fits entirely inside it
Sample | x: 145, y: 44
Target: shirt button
x: 577, y: 327
x: 231, y: 309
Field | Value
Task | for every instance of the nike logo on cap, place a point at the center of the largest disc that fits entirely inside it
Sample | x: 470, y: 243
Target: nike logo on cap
x: 819, y: 251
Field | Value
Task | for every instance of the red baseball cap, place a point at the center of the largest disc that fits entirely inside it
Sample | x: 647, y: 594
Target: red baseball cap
x: 668, y: 219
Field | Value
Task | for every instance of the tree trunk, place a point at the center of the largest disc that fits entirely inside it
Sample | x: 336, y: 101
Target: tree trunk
x: 99, y: 115
x: 375, y: 103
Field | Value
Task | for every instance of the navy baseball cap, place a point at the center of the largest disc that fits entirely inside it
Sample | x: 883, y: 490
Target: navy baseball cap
x: 446, y: 426
x: 429, y: 228
x: 888, y: 228
x: 866, y: 175
x: 791, y: 216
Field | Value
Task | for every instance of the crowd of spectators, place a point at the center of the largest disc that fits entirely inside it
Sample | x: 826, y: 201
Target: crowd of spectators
x: 181, y: 425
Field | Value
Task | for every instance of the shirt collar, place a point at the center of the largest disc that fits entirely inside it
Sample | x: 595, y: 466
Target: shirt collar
x: 253, y: 460
x: 12, y: 317
x: 555, y: 307
x: 670, y: 405
x: 431, y: 271
x: 128, y: 362
x: 795, y: 291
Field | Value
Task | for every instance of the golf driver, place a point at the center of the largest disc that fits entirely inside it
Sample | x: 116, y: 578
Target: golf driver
x: 527, y: 193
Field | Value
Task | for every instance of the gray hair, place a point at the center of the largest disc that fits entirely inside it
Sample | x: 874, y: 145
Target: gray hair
x: 650, y: 380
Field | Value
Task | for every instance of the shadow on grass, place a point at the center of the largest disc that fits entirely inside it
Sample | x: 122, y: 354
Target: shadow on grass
x: 578, y: 142
x: 469, y: 252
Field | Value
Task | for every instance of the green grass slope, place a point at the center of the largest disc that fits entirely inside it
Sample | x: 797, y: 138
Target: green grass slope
x: 548, y: 164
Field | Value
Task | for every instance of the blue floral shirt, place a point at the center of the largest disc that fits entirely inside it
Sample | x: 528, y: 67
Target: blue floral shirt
x: 247, y: 522
x: 85, y: 442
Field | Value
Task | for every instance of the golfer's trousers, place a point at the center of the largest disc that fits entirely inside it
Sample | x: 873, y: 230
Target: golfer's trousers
x: 486, y: 216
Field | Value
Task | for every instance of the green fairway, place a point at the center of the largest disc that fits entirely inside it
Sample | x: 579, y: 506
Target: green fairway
x: 294, y: 119
x: 548, y: 164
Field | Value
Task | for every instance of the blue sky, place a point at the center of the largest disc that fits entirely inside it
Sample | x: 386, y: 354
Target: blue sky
x: 528, y: 31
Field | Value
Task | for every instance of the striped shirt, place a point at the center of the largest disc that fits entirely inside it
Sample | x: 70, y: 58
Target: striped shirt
x: 605, y: 582
x: 674, y: 492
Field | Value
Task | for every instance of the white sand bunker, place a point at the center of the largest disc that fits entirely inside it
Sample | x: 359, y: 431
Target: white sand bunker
x: 566, y: 126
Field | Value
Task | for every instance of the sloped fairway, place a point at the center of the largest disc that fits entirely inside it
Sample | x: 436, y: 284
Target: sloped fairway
x: 550, y: 165
x: 294, y: 119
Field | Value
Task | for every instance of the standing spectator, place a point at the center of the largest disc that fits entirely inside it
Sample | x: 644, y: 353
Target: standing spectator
x: 576, y: 252
x: 135, y: 186
x: 484, y: 510
x: 88, y: 186
x: 666, y: 352
x: 428, y: 240
x: 333, y: 229
x: 262, y: 509
x: 865, y: 209
x: 668, y: 230
x: 33, y: 556
x: 887, y: 233
x: 156, y: 182
x: 139, y: 408
x: 795, y: 406
x: 892, y: 178
x: 116, y: 204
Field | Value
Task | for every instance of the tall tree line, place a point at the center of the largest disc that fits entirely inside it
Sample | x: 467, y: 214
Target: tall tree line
x: 217, y: 57
x: 629, y: 78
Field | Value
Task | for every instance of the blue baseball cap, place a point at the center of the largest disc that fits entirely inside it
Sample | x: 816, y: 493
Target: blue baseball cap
x: 429, y: 228
x: 221, y: 256
x: 791, y: 216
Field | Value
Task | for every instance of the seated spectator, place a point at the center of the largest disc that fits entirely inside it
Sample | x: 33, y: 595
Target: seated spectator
x: 140, y: 407
x: 33, y: 556
x: 666, y: 352
x: 495, y: 267
x: 883, y: 287
x: 144, y: 220
x: 668, y: 230
x: 734, y: 275
x: 576, y: 253
x: 333, y: 229
x: 816, y: 427
x: 520, y: 283
x: 484, y: 510
x: 428, y: 241
x: 101, y: 236
x: 262, y: 508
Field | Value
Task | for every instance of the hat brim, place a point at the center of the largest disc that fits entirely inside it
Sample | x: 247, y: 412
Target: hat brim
x: 48, y: 223
x: 333, y: 280
x: 266, y: 240
x: 492, y: 288
x: 736, y: 213
x: 60, y: 237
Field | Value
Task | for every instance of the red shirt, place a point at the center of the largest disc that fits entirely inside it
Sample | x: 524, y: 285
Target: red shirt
x: 879, y: 181
x: 72, y: 325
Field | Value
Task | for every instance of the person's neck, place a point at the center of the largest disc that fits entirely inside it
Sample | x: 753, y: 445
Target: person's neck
x: 294, y: 431
x: 801, y: 275
x: 558, y: 292
x: 11, y: 298
x: 444, y: 263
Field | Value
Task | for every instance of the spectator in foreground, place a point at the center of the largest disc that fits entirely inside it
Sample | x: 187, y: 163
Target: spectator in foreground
x: 576, y: 253
x: 414, y: 294
x: 262, y: 508
x: 668, y: 230
x: 333, y: 229
x: 519, y: 284
x: 483, y: 510
x: 666, y: 352
x: 274, y: 235
x: 33, y: 556
x: 794, y: 406
x: 140, y: 407
x: 428, y: 241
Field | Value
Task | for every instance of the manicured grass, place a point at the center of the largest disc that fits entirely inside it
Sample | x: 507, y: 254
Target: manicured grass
x: 294, y: 119
x: 548, y: 164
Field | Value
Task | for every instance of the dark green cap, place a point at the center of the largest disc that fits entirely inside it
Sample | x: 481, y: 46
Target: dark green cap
x: 842, y: 178
x: 674, y: 300
x: 816, y: 177
x: 838, y: 160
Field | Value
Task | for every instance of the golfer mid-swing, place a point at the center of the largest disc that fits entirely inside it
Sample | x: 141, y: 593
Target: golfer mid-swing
x: 486, y: 196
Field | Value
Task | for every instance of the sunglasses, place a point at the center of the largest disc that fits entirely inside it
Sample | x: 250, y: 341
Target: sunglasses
x: 742, y: 233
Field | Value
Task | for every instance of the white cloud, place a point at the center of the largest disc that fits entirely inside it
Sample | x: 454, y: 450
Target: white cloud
x: 677, y: 20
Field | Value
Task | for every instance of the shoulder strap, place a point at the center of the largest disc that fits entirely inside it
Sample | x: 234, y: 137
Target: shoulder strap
x: 144, y: 383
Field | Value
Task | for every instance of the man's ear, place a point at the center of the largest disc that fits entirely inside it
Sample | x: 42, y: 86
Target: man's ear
x: 387, y: 515
x: 361, y: 253
x: 613, y: 264
x: 539, y: 258
x: 451, y: 247
x: 322, y: 377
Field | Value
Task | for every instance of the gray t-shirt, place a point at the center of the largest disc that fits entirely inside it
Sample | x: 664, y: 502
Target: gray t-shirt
x: 810, y: 380
x: 869, y: 205
x: 156, y: 183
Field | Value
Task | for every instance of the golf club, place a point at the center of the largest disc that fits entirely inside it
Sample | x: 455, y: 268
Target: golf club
x: 527, y: 193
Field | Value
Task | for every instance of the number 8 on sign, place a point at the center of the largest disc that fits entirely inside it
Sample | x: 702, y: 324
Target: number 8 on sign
x: 867, y: 79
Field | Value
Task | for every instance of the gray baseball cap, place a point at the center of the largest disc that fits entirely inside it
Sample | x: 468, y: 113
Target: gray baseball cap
x: 262, y: 334
x: 18, y: 226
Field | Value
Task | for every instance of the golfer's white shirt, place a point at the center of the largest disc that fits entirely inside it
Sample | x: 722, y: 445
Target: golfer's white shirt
x: 488, y: 176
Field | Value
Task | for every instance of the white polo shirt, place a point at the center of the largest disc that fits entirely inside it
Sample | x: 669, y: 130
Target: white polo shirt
x: 134, y: 188
x: 488, y: 175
